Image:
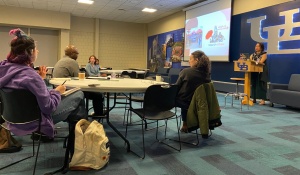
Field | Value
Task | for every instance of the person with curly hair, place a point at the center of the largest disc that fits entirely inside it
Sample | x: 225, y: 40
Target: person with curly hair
x: 189, y: 79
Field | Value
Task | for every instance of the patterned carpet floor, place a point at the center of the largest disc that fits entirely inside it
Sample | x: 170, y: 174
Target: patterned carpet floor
x: 262, y: 140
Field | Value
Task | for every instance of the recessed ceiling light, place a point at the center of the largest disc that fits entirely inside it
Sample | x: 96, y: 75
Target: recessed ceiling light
x: 149, y: 10
x: 86, y: 1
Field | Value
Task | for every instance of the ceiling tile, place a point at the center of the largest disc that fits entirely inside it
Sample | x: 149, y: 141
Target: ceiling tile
x: 108, y: 9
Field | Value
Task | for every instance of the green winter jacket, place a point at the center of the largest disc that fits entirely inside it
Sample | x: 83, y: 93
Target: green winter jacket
x: 204, y: 110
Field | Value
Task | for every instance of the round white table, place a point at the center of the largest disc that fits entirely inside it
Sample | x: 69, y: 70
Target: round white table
x: 120, y: 71
x: 125, y: 85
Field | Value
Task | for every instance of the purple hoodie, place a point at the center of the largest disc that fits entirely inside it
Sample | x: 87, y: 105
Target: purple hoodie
x: 18, y: 76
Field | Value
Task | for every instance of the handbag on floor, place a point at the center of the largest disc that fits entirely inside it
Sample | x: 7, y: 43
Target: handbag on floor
x: 91, y: 150
x: 8, y: 144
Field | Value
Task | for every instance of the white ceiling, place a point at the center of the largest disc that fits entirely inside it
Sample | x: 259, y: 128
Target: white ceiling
x: 118, y: 10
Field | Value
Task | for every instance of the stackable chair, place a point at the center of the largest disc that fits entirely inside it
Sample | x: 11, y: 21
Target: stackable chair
x: 158, y: 101
x: 19, y: 106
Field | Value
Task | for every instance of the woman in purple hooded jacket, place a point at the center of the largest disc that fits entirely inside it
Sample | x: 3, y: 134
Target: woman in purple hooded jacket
x: 16, y: 73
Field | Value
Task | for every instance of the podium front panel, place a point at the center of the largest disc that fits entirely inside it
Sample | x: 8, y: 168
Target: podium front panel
x: 247, y: 66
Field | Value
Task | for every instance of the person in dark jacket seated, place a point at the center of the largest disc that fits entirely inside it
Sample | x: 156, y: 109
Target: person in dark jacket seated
x: 189, y: 79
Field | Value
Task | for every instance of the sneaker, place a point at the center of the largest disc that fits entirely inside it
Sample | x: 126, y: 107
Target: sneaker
x: 44, y: 138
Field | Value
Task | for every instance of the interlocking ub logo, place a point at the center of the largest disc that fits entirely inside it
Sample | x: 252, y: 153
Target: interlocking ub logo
x: 274, y: 37
x: 242, y: 66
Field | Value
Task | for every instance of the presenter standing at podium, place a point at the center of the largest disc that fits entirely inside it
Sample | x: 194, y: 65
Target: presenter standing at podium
x: 259, y: 80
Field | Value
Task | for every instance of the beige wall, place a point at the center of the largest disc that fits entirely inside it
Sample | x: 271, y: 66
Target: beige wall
x: 34, y: 18
x: 82, y: 36
x: 177, y: 20
x: 169, y: 23
x: 118, y: 44
x: 243, y: 6
x: 122, y: 45
x: 38, y: 19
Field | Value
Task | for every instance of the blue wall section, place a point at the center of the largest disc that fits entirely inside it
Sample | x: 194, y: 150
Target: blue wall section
x: 281, y: 66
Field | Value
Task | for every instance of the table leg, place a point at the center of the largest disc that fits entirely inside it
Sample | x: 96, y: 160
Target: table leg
x: 112, y: 126
x: 247, y: 90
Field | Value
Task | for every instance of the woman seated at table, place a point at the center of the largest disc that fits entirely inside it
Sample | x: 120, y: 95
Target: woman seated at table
x: 16, y: 73
x: 91, y: 68
x: 189, y: 79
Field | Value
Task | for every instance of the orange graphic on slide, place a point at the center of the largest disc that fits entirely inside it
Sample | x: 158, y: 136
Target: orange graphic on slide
x: 208, y: 34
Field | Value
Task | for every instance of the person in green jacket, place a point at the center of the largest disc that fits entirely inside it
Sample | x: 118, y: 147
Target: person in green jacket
x: 189, y: 79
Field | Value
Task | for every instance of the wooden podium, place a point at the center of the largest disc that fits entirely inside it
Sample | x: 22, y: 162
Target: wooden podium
x: 247, y: 67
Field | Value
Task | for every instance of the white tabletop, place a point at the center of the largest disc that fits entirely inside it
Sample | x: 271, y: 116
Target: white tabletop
x: 113, y: 85
x: 120, y: 71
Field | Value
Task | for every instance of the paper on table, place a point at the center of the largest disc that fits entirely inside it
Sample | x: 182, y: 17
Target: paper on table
x: 104, y: 78
x: 61, y: 79
x: 70, y: 91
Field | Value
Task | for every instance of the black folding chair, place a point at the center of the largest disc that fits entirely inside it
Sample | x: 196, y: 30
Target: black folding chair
x: 158, y: 101
x: 19, y: 106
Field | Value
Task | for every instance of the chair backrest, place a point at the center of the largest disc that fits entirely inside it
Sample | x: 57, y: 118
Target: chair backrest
x: 133, y: 74
x: 125, y: 74
x: 160, y: 98
x: 174, y: 71
x: 19, y: 106
x: 294, y: 83
x: 162, y: 70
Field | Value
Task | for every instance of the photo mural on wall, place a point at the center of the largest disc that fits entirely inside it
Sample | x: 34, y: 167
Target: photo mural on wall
x: 165, y: 49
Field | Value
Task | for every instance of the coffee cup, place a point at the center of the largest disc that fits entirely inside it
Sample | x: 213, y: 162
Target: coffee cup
x: 81, y: 75
x: 159, y: 78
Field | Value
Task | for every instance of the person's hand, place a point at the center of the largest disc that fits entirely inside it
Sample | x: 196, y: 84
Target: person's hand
x: 42, y: 71
x: 61, y: 89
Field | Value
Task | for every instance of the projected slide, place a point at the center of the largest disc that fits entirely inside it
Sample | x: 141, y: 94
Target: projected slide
x: 209, y: 33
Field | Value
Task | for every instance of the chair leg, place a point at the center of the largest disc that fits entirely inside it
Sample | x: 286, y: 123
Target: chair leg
x: 126, y: 125
x: 33, y: 153
x: 143, y: 133
x: 166, y: 124
x: 156, y: 133
x: 69, y: 151
x: 37, y: 153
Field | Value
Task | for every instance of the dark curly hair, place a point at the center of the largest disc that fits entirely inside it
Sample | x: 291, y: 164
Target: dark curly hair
x: 21, y: 48
x: 203, y: 63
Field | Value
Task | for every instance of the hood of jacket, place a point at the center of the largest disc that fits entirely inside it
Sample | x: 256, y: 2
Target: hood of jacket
x: 9, y: 70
